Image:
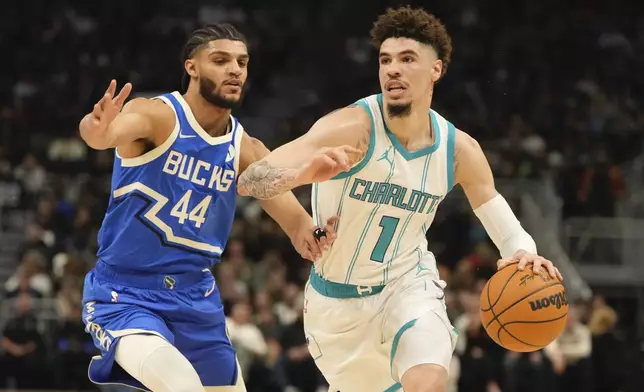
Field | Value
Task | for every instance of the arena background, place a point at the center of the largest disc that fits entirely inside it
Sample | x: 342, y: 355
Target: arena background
x: 552, y: 89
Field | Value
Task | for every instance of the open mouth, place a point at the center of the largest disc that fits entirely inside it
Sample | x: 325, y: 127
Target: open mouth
x: 395, y: 86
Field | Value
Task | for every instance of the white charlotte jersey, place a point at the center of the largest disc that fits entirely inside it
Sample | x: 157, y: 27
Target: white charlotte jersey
x: 386, y: 203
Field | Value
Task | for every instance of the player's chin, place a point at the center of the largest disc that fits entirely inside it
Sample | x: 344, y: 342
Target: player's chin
x: 233, y: 98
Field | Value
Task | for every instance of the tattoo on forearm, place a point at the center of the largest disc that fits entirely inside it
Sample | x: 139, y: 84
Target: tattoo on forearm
x: 264, y: 181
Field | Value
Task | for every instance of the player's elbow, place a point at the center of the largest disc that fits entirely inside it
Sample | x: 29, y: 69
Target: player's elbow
x: 96, y: 143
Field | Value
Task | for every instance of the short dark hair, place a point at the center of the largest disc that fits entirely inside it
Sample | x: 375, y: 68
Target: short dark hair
x: 211, y: 32
x: 416, y: 24
x: 203, y: 36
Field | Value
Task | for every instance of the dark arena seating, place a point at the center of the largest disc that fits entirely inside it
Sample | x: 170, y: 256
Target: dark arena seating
x: 552, y: 90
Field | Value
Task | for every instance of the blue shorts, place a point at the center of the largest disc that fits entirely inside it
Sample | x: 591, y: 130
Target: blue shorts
x: 184, y: 309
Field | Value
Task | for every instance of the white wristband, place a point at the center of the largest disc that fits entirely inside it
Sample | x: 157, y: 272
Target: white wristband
x: 504, y: 228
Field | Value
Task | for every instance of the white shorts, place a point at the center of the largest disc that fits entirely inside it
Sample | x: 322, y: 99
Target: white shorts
x: 367, y: 343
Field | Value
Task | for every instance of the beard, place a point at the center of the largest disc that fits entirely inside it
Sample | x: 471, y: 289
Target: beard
x: 398, y: 110
x: 209, y: 91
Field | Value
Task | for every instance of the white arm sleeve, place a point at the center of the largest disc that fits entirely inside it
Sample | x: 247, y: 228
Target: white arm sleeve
x: 504, y: 228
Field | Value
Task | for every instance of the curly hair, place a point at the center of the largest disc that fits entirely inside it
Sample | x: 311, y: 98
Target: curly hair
x: 416, y: 24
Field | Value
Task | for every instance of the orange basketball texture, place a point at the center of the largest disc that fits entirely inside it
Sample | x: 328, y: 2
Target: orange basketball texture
x: 523, y: 311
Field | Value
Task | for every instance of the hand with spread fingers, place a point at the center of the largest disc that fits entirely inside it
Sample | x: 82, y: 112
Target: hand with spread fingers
x: 109, y: 106
x: 524, y: 258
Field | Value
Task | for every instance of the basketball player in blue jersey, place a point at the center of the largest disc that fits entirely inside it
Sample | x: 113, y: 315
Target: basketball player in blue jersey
x: 375, y: 318
x: 151, y: 304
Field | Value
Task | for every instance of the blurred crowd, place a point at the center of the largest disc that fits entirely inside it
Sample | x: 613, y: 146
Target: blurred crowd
x: 553, y: 91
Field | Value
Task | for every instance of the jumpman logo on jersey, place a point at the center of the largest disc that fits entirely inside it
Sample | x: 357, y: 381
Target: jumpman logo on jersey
x: 385, y: 156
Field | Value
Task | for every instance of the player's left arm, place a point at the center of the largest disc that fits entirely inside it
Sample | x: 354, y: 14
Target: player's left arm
x: 472, y: 171
x: 286, y: 210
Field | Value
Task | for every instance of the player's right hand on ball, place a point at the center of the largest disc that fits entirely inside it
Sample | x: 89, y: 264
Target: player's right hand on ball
x: 328, y: 162
x: 108, y: 107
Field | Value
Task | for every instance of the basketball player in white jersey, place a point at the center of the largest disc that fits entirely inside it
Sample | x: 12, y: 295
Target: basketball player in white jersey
x: 375, y: 316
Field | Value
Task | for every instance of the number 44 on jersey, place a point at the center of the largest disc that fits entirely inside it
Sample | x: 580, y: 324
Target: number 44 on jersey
x: 196, y: 215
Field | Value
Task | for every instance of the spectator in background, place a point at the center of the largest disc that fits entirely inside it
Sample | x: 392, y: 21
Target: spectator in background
x: 230, y: 288
x: 575, y: 344
x: 529, y: 372
x: 245, y: 337
x: 31, y: 175
x: 236, y: 259
x: 5, y: 166
x: 30, y: 277
x: 49, y: 219
x: 35, y: 239
x: 257, y: 355
x: 483, y: 260
x: 265, y: 318
x: 290, y: 307
x: 73, y: 346
x: 68, y: 297
x: 464, y: 275
x: 25, y: 358
x: 299, y: 366
x: 478, y: 373
x: 271, y: 263
x: 82, y: 234
x: 607, y: 349
x: 601, y: 186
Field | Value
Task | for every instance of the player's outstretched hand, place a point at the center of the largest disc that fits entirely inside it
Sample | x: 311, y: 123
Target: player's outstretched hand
x: 108, y: 107
x: 311, y: 243
x: 327, y: 163
x: 524, y: 258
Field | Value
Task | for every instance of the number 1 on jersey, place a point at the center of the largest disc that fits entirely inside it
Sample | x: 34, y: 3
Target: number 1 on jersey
x: 388, y: 224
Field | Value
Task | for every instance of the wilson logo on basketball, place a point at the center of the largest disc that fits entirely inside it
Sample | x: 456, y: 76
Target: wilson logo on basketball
x: 558, y: 300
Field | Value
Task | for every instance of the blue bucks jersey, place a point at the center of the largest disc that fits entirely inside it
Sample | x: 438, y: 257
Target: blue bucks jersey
x: 172, y: 208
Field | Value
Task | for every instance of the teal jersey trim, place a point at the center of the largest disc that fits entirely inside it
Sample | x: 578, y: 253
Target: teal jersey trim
x: 340, y: 290
x: 451, y: 139
x: 394, y: 388
x: 408, y: 155
x: 372, y: 146
x: 396, y: 341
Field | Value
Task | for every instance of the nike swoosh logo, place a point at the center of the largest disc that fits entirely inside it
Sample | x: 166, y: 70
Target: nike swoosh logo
x: 211, y: 289
x: 183, y: 136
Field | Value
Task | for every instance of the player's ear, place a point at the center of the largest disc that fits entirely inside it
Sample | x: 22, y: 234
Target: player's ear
x: 437, y: 70
x: 191, y: 68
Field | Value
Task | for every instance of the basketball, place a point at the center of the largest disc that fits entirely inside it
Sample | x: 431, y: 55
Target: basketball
x: 523, y: 311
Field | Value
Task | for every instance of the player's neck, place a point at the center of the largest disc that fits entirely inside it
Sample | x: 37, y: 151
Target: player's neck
x: 412, y: 127
x: 213, y: 119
